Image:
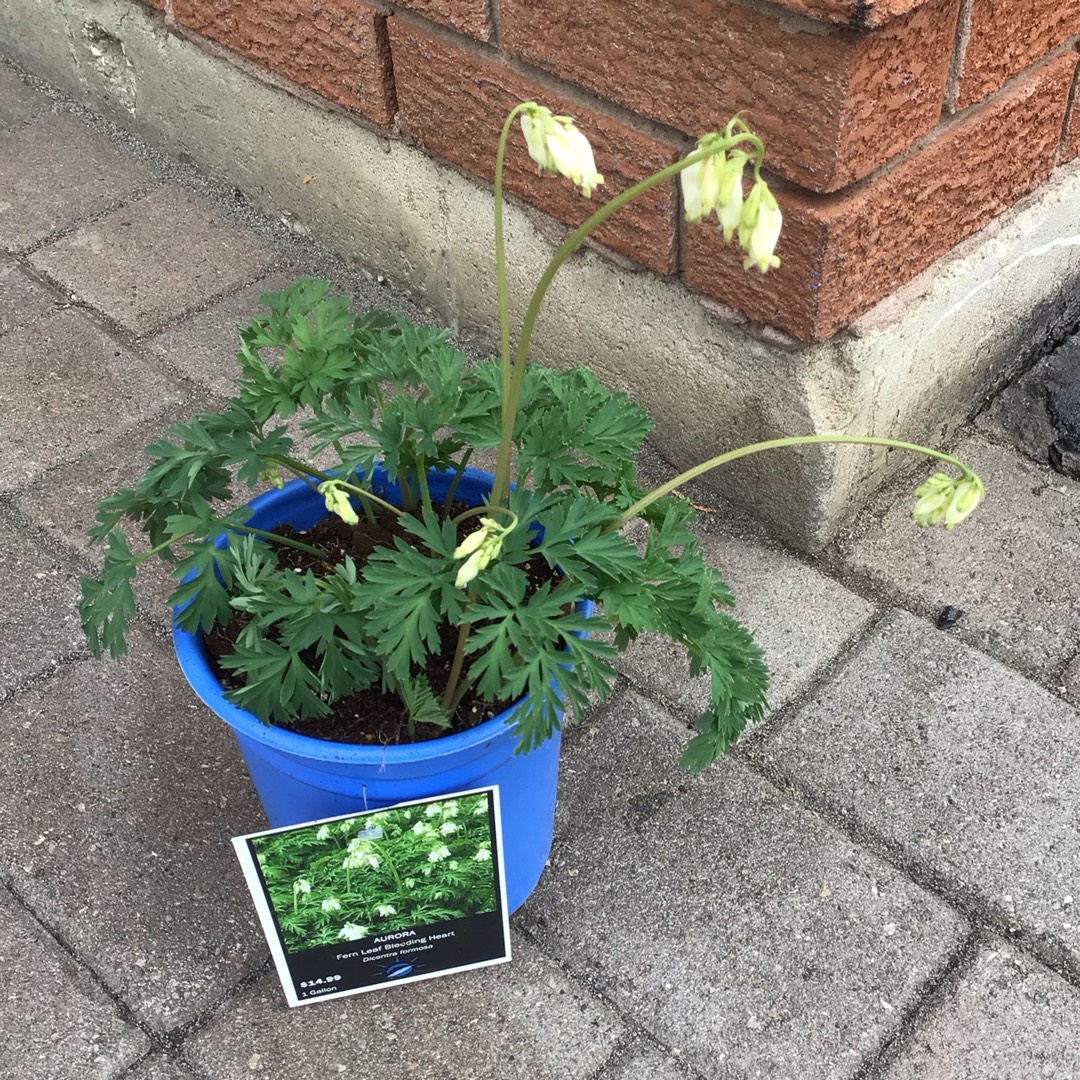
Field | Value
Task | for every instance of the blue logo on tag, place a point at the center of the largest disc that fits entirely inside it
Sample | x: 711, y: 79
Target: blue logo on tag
x: 400, y: 968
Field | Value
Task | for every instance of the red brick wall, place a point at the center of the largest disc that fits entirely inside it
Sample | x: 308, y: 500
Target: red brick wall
x: 894, y: 128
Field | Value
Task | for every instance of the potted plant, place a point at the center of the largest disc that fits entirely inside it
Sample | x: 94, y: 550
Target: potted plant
x: 398, y: 625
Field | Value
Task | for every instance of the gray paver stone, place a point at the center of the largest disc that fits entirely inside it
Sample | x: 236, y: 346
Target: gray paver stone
x: 524, y: 1020
x: 21, y: 299
x: 154, y: 259
x: 39, y: 191
x: 644, y: 1064
x: 56, y: 1023
x: 204, y: 345
x: 1070, y: 681
x: 67, y: 387
x: 738, y: 929
x: 968, y: 769
x: 19, y: 103
x: 64, y: 504
x: 156, y: 1068
x: 1013, y: 566
x: 39, y: 621
x: 122, y: 794
x: 1008, y: 1018
x: 800, y: 617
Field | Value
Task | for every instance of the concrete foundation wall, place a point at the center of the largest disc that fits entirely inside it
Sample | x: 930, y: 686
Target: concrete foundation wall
x: 914, y: 367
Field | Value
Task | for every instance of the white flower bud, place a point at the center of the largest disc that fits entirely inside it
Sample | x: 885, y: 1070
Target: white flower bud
x: 557, y: 146
x: 481, y: 547
x: 701, y: 188
x: 337, y: 501
x: 759, y: 228
x: 730, y: 194
x: 945, y: 499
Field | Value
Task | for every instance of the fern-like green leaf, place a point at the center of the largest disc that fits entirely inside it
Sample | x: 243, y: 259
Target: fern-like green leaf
x: 405, y: 595
x: 577, y: 542
x: 108, y: 603
x: 204, y: 600
x: 530, y: 650
x: 278, y: 684
x: 421, y: 703
x: 738, y: 685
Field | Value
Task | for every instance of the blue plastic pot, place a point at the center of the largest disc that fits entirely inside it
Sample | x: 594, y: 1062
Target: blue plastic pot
x: 299, y: 778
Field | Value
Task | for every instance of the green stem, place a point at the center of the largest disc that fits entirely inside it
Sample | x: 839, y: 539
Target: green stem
x: 501, y: 488
x: 408, y: 496
x: 500, y: 269
x: 381, y: 849
x: 421, y: 478
x: 368, y: 512
x: 455, y: 689
x: 477, y: 511
x: 463, y: 688
x: 451, y: 697
x: 451, y: 494
x: 773, y: 444
x: 287, y: 541
x: 300, y: 469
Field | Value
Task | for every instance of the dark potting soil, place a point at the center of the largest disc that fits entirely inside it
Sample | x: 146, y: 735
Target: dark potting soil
x: 368, y: 716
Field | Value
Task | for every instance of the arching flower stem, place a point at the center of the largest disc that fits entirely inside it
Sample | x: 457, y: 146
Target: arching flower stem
x: 775, y: 444
x: 512, y: 386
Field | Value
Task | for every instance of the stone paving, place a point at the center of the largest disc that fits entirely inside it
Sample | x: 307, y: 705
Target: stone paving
x: 882, y: 882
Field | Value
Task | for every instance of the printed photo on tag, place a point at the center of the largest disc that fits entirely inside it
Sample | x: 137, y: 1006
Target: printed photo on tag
x: 375, y: 899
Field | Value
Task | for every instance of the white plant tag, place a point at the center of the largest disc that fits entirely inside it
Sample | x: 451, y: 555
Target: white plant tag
x: 369, y: 900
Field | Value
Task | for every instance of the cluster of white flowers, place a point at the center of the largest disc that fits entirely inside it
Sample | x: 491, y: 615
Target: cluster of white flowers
x: 435, y: 824
x: 716, y: 183
x: 337, y: 501
x: 481, y: 547
x: 353, y: 932
x: 359, y: 857
x: 943, y: 498
x: 558, y: 147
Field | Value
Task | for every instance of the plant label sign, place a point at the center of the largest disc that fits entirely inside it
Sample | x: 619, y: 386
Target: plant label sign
x: 368, y: 900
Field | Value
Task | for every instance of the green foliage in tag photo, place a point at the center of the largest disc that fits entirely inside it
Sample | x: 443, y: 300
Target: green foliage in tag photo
x: 380, y: 873
x: 462, y: 607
